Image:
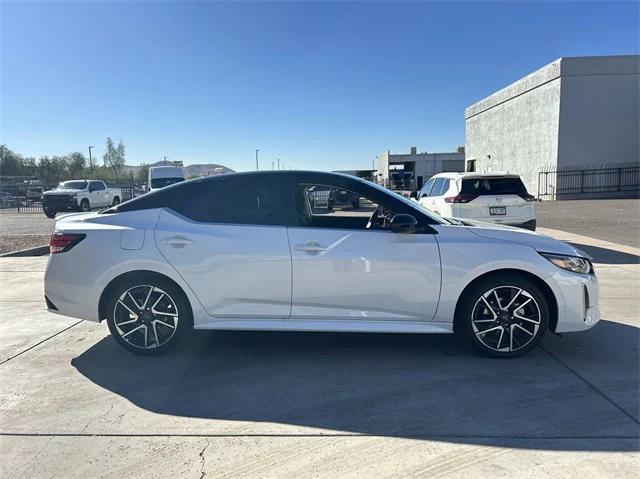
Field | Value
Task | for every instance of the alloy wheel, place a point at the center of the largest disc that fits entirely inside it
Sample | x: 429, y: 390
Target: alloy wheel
x: 506, y: 318
x: 145, y: 316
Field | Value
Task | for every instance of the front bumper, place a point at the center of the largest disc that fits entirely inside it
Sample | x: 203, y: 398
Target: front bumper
x: 59, y: 203
x: 578, y: 300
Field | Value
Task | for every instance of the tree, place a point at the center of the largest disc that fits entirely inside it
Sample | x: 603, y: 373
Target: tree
x: 76, y: 163
x: 114, y: 157
x: 143, y: 173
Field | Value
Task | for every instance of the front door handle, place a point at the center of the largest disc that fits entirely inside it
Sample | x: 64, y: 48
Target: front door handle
x: 177, y: 241
x: 311, y: 247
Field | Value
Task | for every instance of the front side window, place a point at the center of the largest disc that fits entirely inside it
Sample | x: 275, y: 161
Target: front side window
x: 426, y: 189
x: 97, y: 186
x: 249, y: 201
x: 437, y: 187
x: 322, y: 206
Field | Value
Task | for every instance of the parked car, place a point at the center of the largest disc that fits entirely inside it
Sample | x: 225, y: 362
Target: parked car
x: 498, y: 198
x: 245, y: 251
x: 79, y: 195
x: 161, y: 176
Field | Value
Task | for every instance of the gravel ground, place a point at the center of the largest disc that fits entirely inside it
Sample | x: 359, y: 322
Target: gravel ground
x: 617, y: 221
x: 20, y: 231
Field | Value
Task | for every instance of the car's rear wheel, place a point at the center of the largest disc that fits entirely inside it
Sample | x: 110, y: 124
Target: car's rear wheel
x: 503, y: 316
x: 116, y: 201
x: 148, y: 314
x: 49, y: 213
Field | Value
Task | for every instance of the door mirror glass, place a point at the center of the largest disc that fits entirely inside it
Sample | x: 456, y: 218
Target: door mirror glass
x: 403, y: 223
x: 414, y: 195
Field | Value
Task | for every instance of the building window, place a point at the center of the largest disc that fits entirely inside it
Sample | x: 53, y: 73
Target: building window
x: 471, y: 165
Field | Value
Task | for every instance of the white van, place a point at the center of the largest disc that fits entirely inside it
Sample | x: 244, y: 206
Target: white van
x: 161, y: 176
x: 499, y: 198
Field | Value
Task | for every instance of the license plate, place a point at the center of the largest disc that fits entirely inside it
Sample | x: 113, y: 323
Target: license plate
x: 497, y: 210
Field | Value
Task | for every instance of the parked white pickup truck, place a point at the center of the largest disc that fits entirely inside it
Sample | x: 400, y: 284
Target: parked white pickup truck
x: 79, y: 195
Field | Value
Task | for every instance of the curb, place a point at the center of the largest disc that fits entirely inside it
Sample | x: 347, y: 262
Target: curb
x: 37, y: 251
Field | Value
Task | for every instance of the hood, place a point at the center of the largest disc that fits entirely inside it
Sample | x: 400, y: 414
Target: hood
x: 62, y: 191
x: 539, y: 242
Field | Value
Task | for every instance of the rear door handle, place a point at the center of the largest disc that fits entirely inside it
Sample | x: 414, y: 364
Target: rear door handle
x: 177, y: 241
x: 311, y: 247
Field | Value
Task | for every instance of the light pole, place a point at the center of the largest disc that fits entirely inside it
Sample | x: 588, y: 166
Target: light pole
x: 257, y: 167
x: 165, y: 161
x: 273, y: 165
x: 90, y: 162
x: 278, y: 163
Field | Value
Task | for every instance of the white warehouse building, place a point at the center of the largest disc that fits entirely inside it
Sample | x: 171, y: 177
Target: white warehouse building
x: 573, y: 112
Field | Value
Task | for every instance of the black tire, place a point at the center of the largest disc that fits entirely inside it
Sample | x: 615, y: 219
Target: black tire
x: 85, y: 206
x: 116, y: 201
x: 169, y: 329
x: 508, y: 333
x: 50, y: 213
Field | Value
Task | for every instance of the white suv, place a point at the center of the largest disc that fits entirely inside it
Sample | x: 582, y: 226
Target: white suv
x: 499, y: 198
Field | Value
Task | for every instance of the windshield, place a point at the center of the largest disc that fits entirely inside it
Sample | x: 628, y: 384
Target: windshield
x: 493, y: 186
x: 162, y: 182
x: 73, y: 185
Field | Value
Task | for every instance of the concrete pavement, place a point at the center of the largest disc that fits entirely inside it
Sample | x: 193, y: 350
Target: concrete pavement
x: 258, y: 404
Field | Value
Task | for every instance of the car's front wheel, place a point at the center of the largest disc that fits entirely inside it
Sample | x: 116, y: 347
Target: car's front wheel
x: 147, y: 314
x: 503, y: 316
x: 85, y: 205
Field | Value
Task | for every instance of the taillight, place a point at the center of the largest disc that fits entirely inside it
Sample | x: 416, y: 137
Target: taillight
x: 63, y: 242
x: 460, y: 198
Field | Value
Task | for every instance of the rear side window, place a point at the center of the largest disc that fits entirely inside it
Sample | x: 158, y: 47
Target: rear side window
x: 493, y: 186
x: 248, y: 201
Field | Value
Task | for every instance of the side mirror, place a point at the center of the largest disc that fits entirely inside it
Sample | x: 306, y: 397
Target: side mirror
x: 413, y: 195
x: 91, y: 189
x: 403, y: 223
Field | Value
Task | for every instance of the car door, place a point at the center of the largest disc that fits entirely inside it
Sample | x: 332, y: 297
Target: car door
x: 342, y: 270
x: 97, y: 194
x: 430, y: 201
x: 228, y: 239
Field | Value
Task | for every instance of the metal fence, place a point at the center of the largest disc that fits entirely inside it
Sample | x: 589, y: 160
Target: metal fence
x: 19, y: 195
x: 615, y: 180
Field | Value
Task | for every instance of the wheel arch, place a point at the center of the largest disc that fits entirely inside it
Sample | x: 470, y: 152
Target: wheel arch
x: 136, y: 274
x: 539, y: 282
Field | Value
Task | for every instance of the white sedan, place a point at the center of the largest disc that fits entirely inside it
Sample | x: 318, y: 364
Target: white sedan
x: 248, y: 251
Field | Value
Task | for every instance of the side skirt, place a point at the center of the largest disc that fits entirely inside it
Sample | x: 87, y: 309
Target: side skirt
x: 326, y: 325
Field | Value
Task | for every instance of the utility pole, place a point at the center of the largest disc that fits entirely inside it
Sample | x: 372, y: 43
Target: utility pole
x: 90, y: 162
x: 257, y: 167
x: 278, y: 163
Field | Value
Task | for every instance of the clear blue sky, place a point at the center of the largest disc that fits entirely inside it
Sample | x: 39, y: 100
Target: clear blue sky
x: 319, y: 85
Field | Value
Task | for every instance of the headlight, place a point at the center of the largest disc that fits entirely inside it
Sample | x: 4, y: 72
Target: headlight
x: 570, y: 263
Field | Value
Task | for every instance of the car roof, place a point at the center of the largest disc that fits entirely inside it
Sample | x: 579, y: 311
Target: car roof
x: 471, y: 175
